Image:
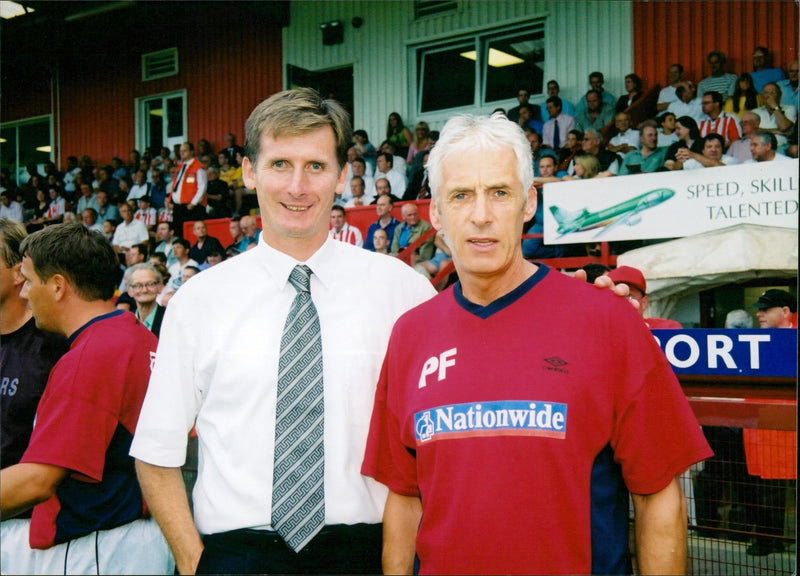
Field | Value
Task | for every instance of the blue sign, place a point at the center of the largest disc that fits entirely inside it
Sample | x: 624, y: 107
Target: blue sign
x: 727, y: 352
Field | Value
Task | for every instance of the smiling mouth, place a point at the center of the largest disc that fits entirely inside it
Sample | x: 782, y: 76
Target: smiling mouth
x: 295, y: 208
x: 482, y: 241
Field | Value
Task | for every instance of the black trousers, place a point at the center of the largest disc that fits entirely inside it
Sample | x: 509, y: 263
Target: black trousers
x: 181, y: 214
x: 338, y: 549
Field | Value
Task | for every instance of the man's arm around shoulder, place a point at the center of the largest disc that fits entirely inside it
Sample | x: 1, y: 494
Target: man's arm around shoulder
x: 165, y: 494
x: 401, y: 519
x: 661, y: 530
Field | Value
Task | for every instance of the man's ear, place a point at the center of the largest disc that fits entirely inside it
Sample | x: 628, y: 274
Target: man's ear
x: 341, y: 182
x: 248, y: 174
x: 59, y: 285
x: 433, y: 214
x: 16, y: 275
x: 533, y: 198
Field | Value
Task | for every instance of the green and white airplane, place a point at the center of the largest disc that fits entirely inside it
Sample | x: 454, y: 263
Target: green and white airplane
x: 627, y: 212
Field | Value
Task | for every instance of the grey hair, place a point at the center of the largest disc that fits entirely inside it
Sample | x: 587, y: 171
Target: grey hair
x: 738, y: 319
x: 142, y: 266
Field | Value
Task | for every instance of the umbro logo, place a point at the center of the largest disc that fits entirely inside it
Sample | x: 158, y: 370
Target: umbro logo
x: 556, y: 364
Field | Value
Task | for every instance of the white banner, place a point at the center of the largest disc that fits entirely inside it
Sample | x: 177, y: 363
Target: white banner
x: 671, y: 204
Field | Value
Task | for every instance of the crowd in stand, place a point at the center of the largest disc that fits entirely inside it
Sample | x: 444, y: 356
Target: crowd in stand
x: 723, y: 120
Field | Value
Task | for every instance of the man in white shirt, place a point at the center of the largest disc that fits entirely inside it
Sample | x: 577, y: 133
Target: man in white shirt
x: 712, y: 155
x: 10, y: 208
x: 140, y: 186
x: 217, y: 363
x: 667, y: 94
x: 627, y: 139
x: 129, y: 231
x: 776, y: 118
x: 396, y: 180
x: 687, y: 104
x: 763, y: 147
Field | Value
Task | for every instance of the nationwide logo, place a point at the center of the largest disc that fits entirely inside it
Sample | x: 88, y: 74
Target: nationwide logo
x: 556, y: 364
x: 499, y: 418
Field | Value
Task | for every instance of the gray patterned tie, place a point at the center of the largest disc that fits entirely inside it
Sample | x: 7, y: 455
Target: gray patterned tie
x: 298, y: 493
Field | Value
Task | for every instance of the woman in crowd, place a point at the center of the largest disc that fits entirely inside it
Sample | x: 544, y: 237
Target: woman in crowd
x: 688, y: 137
x: 422, y: 141
x: 745, y: 98
x: 586, y: 166
x: 633, y: 87
x: 398, y: 134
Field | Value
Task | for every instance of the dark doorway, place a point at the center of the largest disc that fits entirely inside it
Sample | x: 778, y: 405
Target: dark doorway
x: 336, y: 83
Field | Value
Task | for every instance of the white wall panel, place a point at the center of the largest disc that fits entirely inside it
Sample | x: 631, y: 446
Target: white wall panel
x: 581, y: 37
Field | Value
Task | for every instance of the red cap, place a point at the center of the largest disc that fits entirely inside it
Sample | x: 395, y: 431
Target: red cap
x: 630, y: 276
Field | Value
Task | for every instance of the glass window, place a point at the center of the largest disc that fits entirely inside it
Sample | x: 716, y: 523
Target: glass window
x: 23, y: 143
x: 456, y: 87
x: 479, y: 70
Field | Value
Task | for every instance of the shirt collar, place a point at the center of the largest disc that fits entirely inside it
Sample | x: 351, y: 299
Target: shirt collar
x: 279, y: 265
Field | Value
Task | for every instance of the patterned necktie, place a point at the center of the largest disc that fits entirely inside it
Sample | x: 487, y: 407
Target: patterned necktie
x: 556, y: 135
x: 298, y: 493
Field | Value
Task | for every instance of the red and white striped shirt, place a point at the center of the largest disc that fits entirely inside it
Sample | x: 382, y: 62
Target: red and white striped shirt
x: 726, y: 126
x: 349, y: 234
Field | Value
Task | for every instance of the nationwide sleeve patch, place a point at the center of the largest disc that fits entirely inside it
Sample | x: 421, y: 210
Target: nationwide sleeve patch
x: 499, y: 418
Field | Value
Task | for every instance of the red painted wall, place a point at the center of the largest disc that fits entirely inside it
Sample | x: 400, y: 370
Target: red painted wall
x: 686, y: 31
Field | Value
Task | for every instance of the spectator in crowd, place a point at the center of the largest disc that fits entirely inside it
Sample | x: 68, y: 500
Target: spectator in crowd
x: 763, y: 70
x: 106, y: 210
x: 158, y: 189
x: 358, y: 167
x: 380, y: 242
x: 385, y: 221
x: 398, y: 135
x: 666, y: 129
x: 527, y: 119
x: 596, y: 114
x: 341, y: 230
x: 667, y: 94
x: 299, y: 127
x: 634, y: 279
x: 718, y: 80
x: 357, y: 197
x: 235, y: 230
x: 129, y: 231
x: 89, y: 219
x: 688, y: 103
x: 227, y: 171
x: 70, y: 174
x: 165, y: 234
x: 188, y: 190
x: 717, y: 121
x: 180, y: 250
x: 205, y: 243
x: 774, y: 117
x: 76, y: 473
x: 383, y: 188
x: 422, y: 141
x: 204, y: 148
x: 146, y: 214
x: 553, y: 89
x: 649, y: 157
x: 498, y: 291
x: 597, y: 83
x: 396, y: 180
x: 745, y: 97
x: 536, y: 147
x: 365, y: 149
x: 218, y: 193
x: 165, y: 214
x: 764, y: 147
x: 398, y: 162
x: 626, y: 139
x: 144, y: 283
x: 555, y: 130
x: 231, y: 147
x: 87, y: 199
x: 534, y: 248
x: 28, y: 353
x: 418, y: 188
x: 523, y: 97
x: 57, y: 206
x: 251, y: 233
x: 10, y: 209
x: 741, y: 148
x: 789, y: 86
x: 585, y: 166
x: 633, y: 88
x: 409, y: 231
x: 141, y: 187
x: 109, y: 229
x: 775, y: 309
x: 593, y: 144
x: 713, y: 155
x: 688, y: 137
x: 573, y: 145
x: 214, y: 258
x: 738, y: 319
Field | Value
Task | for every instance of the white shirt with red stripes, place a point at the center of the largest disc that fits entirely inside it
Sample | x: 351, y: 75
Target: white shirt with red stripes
x: 349, y: 234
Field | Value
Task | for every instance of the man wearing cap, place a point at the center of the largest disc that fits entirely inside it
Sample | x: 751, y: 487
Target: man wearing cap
x: 776, y: 309
x: 634, y: 278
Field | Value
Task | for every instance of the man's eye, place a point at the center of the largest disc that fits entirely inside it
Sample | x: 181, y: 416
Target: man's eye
x: 279, y: 164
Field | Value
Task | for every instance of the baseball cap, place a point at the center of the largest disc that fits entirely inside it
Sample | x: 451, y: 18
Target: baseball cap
x: 629, y: 275
x: 775, y: 298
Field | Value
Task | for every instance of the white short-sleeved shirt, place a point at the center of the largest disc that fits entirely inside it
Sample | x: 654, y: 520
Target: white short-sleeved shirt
x: 217, y: 361
x: 692, y: 164
x: 128, y: 234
